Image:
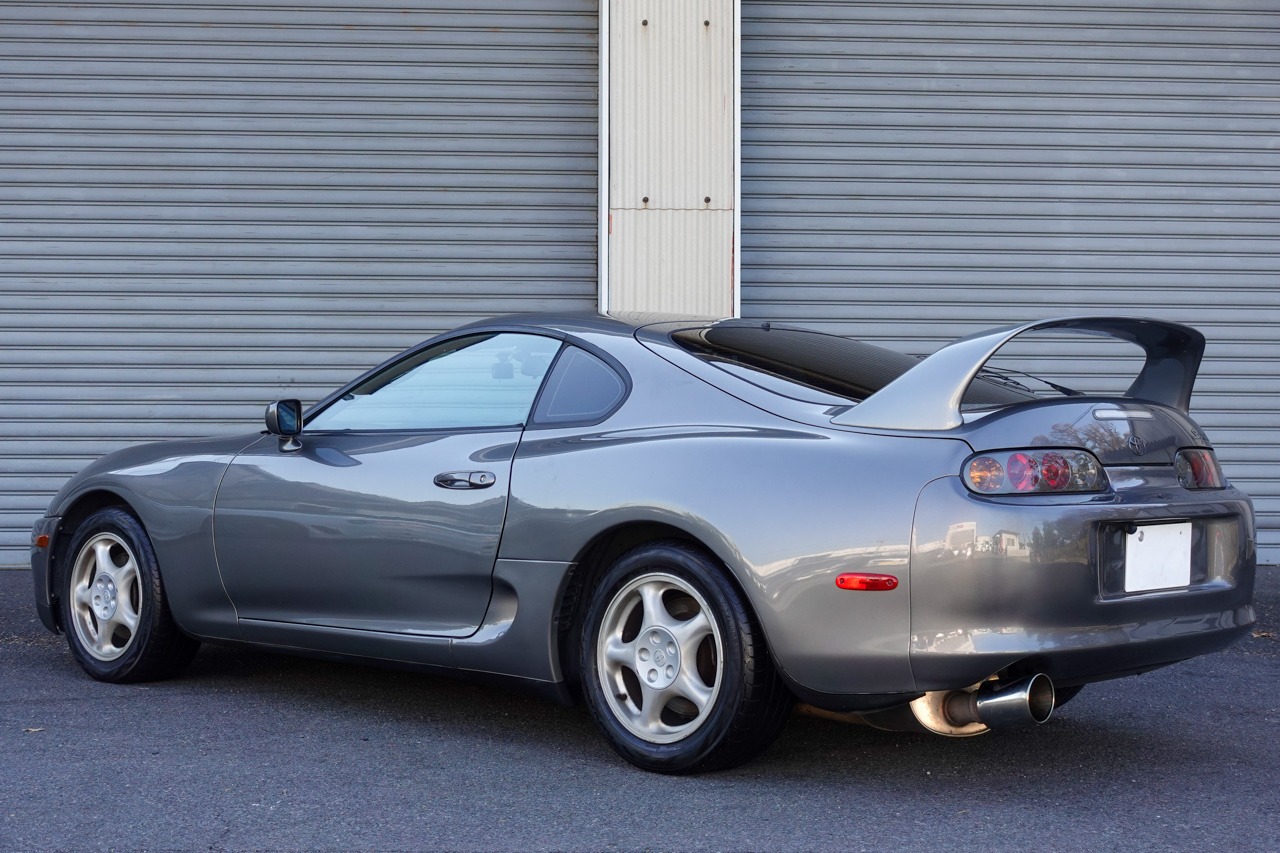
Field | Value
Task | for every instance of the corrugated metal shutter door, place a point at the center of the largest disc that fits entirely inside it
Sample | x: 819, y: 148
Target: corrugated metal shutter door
x: 915, y: 172
x: 207, y: 206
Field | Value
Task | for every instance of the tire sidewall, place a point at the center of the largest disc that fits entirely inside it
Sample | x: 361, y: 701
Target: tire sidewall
x: 703, y: 575
x: 124, y: 525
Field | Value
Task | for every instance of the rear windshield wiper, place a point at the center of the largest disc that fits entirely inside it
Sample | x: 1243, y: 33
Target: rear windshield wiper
x: 1004, y: 376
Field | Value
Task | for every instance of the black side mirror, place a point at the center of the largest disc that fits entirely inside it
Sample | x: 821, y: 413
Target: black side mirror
x: 284, y: 418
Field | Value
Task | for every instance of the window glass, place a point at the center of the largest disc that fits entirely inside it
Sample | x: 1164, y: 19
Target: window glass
x: 581, y: 388
x: 486, y: 380
x: 815, y: 367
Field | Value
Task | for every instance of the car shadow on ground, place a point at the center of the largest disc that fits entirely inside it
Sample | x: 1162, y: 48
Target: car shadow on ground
x: 1176, y: 720
x: 1099, y: 736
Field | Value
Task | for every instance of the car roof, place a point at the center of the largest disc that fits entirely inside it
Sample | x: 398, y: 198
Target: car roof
x: 626, y: 322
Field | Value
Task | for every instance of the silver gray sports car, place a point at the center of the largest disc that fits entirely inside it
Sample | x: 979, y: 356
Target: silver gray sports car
x: 688, y: 524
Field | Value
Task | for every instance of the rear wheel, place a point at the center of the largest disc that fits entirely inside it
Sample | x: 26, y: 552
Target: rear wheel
x: 117, y: 620
x: 675, y: 670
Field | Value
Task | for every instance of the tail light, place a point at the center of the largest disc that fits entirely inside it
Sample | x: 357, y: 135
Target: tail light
x: 1039, y: 472
x: 1198, y: 469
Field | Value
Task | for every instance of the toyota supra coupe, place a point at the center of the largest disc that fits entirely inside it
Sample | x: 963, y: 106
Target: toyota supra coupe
x: 688, y: 525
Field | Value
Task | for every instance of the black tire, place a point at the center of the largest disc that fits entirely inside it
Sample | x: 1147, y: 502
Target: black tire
x: 157, y: 649
x: 740, y: 720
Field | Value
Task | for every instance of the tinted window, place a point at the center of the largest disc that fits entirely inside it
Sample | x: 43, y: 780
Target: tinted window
x: 580, y: 388
x: 813, y: 366
x: 480, y: 381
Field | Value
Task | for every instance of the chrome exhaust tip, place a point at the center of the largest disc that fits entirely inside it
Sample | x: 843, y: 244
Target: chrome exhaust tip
x: 1027, y: 701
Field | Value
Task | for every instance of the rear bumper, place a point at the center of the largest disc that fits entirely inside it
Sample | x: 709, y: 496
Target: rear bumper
x: 1018, y: 586
x: 41, y: 566
x: 1074, y: 655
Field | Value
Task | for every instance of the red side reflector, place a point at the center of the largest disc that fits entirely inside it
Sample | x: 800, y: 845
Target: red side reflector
x: 859, y: 580
x: 42, y: 541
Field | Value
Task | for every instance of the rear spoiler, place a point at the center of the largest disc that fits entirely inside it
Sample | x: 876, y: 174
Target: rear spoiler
x: 927, y: 397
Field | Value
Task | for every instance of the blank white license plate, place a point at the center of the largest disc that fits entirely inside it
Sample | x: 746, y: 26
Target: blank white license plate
x: 1158, y: 556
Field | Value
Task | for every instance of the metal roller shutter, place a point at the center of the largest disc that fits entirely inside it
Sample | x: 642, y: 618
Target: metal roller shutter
x: 206, y: 206
x: 913, y: 172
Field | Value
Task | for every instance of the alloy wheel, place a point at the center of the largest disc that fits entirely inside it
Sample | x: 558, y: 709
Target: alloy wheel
x: 660, y: 657
x: 106, y: 596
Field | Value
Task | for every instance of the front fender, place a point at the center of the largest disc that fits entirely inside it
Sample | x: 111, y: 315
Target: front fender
x: 171, y: 487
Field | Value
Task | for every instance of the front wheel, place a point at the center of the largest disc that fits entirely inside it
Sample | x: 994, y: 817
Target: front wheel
x: 114, y: 610
x: 676, y: 672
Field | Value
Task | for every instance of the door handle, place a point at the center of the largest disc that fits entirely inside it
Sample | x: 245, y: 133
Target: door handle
x: 465, y: 480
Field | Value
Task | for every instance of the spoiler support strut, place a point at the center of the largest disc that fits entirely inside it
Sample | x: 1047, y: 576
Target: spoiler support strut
x: 927, y: 397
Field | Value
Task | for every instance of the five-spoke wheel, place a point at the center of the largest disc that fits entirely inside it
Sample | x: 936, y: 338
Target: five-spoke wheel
x: 675, y: 669
x: 113, y: 604
x: 660, y: 656
x: 105, y: 596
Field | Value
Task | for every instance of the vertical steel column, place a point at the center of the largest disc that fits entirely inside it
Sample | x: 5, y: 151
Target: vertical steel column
x: 672, y: 173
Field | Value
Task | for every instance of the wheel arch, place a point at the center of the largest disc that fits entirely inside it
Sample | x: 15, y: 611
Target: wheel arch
x: 73, y: 515
x: 591, y: 562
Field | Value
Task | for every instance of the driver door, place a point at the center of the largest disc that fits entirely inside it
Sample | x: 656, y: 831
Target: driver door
x: 388, y: 517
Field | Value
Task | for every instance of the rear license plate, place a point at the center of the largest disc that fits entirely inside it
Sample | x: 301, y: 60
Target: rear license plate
x: 1158, y: 556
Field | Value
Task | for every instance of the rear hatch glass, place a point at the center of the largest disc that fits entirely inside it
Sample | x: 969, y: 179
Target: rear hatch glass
x: 814, y: 367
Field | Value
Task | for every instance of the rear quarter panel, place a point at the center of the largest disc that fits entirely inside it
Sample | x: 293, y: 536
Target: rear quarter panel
x: 787, y: 507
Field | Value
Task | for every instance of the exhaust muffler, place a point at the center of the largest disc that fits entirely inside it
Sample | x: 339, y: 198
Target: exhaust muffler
x: 1028, y: 701
x: 962, y: 713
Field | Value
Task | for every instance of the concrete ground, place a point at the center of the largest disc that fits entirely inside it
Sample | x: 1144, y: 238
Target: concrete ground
x: 255, y: 751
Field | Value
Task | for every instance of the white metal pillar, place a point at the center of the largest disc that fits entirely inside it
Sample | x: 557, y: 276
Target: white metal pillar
x: 669, y: 91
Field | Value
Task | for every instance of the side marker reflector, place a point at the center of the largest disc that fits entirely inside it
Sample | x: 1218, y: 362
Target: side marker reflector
x: 42, y: 541
x: 863, y: 581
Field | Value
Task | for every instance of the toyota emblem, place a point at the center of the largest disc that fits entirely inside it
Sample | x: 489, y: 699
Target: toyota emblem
x: 1137, y: 445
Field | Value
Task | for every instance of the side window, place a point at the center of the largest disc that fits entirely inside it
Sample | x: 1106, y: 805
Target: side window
x: 486, y: 380
x: 580, y: 388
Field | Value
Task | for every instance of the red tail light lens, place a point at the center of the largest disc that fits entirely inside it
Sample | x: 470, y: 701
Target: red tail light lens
x: 1198, y: 469
x: 1022, y: 472
x: 1055, y: 470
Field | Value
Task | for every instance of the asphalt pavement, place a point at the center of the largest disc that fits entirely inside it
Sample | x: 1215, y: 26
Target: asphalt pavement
x: 256, y: 751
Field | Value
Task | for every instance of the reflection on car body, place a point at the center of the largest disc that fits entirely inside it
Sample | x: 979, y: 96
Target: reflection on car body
x: 686, y: 524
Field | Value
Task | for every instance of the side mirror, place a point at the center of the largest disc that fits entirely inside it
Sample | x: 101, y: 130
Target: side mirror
x: 284, y: 418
